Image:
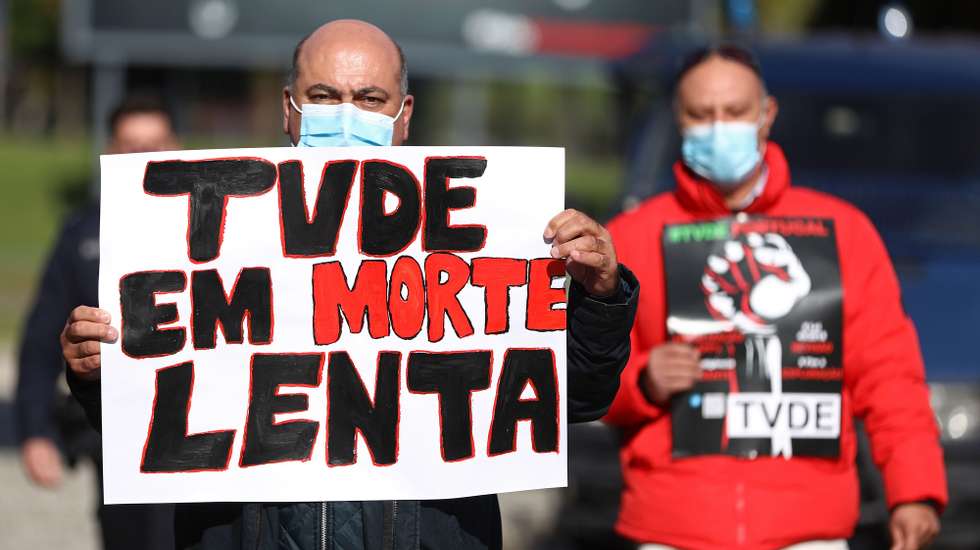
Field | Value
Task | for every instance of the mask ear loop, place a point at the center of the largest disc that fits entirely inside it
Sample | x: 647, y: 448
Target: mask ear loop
x: 399, y: 113
x: 293, y: 103
x: 400, y: 109
x: 298, y: 110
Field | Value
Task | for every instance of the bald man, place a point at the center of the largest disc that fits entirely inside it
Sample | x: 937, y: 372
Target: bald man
x: 783, y: 321
x: 349, y: 86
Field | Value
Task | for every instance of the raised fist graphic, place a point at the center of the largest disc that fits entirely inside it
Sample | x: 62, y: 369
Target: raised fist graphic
x: 756, y: 282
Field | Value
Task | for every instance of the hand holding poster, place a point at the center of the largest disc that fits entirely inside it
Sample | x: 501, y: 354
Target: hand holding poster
x: 332, y: 324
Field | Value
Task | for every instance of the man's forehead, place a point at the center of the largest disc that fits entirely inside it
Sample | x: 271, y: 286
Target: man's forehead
x: 349, y: 64
x: 716, y: 77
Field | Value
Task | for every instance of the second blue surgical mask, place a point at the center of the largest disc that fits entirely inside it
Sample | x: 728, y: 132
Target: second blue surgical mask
x: 723, y: 152
x: 343, y: 125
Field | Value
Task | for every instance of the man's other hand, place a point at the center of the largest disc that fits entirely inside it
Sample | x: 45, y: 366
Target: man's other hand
x: 42, y: 461
x: 672, y: 368
x: 913, y: 526
x: 86, y: 328
x: 587, y: 249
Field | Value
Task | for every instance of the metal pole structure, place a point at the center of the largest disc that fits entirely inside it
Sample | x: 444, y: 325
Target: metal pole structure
x: 705, y: 19
x: 109, y: 85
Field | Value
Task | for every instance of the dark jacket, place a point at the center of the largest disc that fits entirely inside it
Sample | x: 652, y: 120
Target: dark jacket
x: 598, y: 348
x: 71, y: 278
x: 42, y: 410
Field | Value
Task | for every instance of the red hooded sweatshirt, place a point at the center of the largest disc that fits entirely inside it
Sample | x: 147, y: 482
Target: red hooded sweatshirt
x: 723, y: 501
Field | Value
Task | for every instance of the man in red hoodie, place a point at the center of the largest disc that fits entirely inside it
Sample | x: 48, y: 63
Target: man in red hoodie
x: 771, y: 317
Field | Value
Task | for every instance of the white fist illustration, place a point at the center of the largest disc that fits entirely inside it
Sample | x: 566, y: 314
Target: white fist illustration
x: 755, y: 283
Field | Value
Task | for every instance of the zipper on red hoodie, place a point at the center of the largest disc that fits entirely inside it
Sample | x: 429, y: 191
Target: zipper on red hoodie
x: 740, y: 523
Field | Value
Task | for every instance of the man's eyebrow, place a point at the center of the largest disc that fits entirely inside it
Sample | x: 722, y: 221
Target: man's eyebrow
x: 361, y: 92
x: 322, y: 88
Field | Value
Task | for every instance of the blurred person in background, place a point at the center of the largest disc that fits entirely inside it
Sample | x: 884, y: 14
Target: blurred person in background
x: 51, y: 424
x: 709, y: 401
x: 354, y: 68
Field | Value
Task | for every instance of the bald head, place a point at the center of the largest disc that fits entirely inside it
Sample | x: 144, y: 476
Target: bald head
x: 349, y: 61
x: 347, y: 29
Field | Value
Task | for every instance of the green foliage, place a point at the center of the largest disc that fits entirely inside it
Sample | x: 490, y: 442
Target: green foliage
x: 592, y: 184
x: 33, y: 28
x: 780, y: 16
x: 539, y: 112
x: 41, y: 181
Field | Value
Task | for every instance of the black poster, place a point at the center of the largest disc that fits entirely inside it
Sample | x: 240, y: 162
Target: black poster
x: 761, y: 299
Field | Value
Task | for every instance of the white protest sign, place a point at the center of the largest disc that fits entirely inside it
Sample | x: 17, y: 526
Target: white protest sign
x: 332, y: 324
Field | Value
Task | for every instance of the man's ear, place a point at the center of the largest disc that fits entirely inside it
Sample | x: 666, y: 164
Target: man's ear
x: 406, y: 116
x: 286, y: 110
x: 768, y: 117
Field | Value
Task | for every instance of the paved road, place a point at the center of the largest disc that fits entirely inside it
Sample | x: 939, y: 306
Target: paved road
x: 34, y: 518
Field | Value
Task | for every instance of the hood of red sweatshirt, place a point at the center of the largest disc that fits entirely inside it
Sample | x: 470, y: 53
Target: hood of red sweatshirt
x: 698, y: 195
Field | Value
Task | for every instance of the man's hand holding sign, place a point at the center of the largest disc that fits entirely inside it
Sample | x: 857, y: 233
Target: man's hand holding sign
x: 86, y: 328
x: 588, y: 249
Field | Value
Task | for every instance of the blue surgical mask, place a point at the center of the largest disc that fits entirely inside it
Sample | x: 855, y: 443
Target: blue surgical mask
x: 723, y: 152
x: 343, y: 125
